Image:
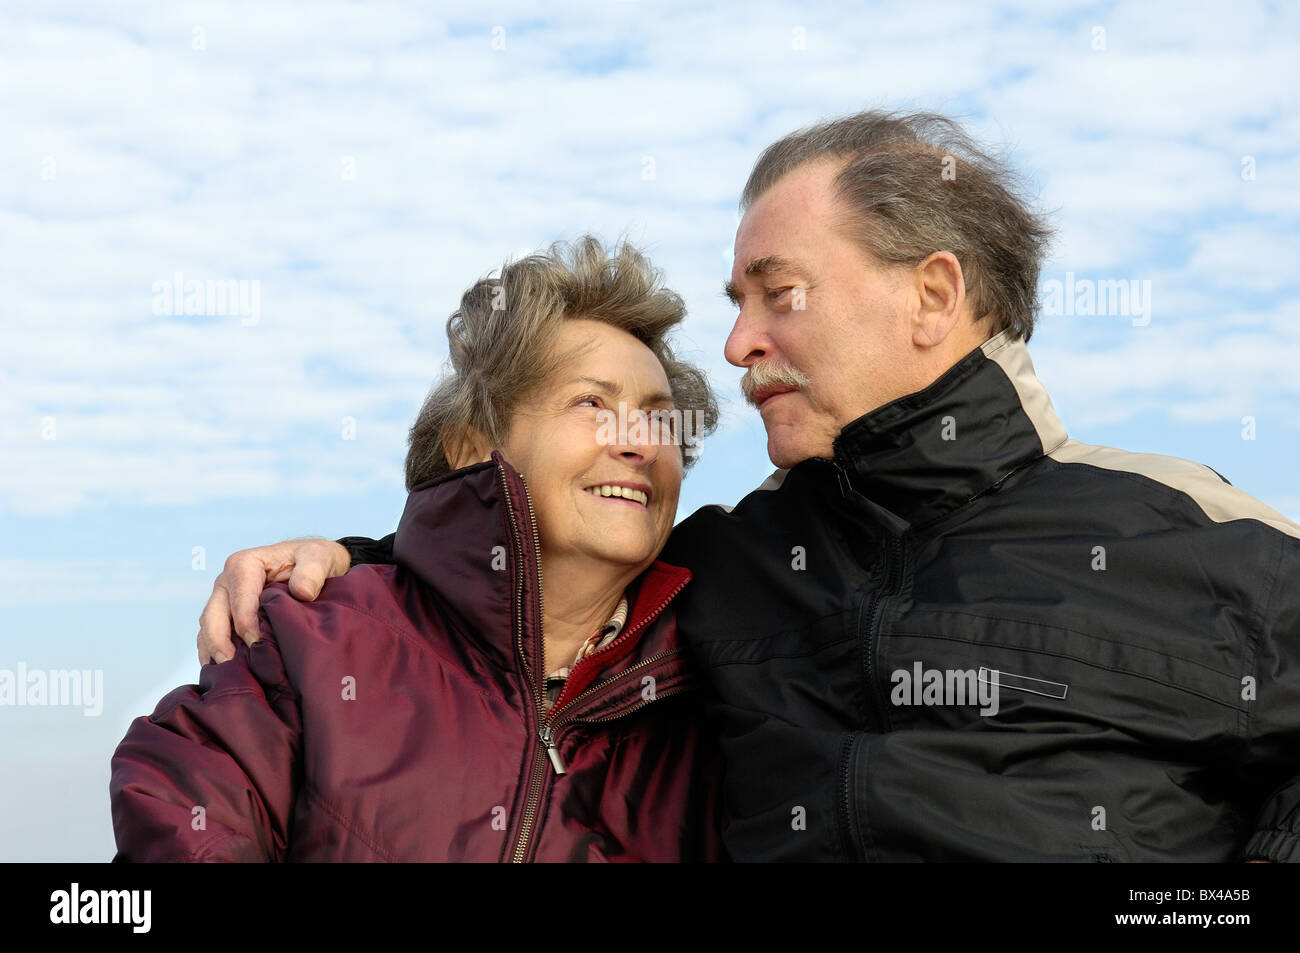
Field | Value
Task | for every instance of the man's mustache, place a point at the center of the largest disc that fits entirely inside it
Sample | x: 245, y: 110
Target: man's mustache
x: 769, y: 374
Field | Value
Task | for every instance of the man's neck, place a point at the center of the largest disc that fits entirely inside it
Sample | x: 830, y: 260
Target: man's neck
x: 932, y: 363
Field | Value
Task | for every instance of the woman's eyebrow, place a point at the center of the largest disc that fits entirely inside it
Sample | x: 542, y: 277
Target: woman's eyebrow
x: 613, y: 390
x: 609, y: 387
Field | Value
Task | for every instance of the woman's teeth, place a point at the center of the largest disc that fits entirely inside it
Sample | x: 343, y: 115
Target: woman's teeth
x: 625, y: 492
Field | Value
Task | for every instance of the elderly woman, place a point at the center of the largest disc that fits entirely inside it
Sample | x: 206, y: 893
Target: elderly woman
x: 513, y: 689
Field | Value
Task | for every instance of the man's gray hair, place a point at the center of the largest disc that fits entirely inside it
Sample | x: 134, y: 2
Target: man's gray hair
x: 915, y: 184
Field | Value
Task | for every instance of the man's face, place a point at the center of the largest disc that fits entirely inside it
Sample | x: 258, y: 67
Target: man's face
x: 812, y: 300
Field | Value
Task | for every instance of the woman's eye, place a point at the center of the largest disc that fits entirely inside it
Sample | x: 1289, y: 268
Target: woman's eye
x: 593, y: 401
x: 664, y: 419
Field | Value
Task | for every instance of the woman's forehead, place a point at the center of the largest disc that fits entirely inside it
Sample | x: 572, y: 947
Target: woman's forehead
x: 609, y: 359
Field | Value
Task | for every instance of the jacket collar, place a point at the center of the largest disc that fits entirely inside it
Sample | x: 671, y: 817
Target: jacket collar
x: 471, y: 537
x: 927, y: 454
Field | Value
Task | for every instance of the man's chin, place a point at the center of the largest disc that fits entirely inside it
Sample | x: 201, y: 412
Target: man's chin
x: 786, y: 454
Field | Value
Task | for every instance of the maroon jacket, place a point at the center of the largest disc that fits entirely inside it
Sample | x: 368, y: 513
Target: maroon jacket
x: 397, y: 717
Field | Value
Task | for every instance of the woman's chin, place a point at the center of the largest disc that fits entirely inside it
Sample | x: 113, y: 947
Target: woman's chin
x: 638, y: 553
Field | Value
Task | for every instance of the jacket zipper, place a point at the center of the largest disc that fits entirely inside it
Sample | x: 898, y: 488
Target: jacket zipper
x: 847, y: 841
x: 893, y: 567
x: 641, y: 623
x: 600, y: 686
x: 548, y: 723
x: 548, y: 734
x: 893, y: 558
x: 539, y: 765
x: 867, y: 632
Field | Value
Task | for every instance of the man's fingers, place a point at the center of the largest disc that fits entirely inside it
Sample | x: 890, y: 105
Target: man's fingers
x: 247, y: 575
x: 314, y: 561
x: 205, y: 655
x: 307, y: 580
x: 214, y: 628
x: 237, y: 591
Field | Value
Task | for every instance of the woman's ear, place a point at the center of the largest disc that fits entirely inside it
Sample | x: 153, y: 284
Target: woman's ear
x: 467, y: 449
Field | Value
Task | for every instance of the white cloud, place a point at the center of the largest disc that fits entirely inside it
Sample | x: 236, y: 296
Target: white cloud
x: 228, y: 162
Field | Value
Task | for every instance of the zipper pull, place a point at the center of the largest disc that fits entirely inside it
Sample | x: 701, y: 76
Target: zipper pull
x: 842, y: 477
x: 552, y: 752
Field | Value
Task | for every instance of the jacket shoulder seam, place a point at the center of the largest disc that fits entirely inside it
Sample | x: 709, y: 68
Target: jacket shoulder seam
x: 1219, y: 501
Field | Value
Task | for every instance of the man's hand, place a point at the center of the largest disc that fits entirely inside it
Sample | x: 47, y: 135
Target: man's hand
x: 305, y: 563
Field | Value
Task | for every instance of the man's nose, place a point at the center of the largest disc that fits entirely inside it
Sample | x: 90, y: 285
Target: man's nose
x: 746, y: 343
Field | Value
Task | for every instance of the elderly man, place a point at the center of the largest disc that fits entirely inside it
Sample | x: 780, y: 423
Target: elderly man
x: 944, y: 630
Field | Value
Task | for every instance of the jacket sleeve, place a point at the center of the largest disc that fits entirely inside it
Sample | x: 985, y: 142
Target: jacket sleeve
x: 1274, y: 726
x: 211, y: 774
x: 363, y: 549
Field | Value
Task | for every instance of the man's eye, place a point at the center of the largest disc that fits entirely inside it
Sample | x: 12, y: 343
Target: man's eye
x: 593, y: 401
x: 774, y: 294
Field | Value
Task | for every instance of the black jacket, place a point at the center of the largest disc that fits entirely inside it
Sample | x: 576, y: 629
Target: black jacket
x: 1139, y: 617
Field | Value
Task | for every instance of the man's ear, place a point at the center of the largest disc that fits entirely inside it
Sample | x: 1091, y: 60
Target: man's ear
x: 940, y: 300
x: 467, y: 448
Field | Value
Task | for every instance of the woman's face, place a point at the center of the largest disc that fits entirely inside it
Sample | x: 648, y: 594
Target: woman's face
x: 567, y: 443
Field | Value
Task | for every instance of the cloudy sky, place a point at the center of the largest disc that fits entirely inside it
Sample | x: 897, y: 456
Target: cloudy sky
x: 364, y: 163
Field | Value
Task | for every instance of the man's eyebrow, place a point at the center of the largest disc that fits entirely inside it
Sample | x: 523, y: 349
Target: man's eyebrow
x: 767, y: 265
x: 774, y: 263
x: 613, y: 390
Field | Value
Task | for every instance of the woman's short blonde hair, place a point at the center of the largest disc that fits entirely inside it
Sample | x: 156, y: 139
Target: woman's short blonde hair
x: 502, y: 344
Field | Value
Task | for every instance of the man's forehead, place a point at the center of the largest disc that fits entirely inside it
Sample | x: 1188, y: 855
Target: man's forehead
x: 806, y: 192
x: 779, y: 226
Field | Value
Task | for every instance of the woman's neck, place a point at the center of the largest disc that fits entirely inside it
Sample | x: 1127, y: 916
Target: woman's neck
x: 578, y: 597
